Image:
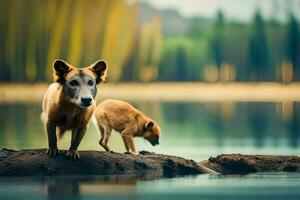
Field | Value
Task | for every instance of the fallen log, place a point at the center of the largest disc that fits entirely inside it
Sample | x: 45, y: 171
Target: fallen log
x: 245, y: 164
x: 36, y: 162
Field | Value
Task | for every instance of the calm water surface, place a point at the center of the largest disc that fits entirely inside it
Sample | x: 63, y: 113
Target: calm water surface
x: 254, y: 186
x: 192, y: 130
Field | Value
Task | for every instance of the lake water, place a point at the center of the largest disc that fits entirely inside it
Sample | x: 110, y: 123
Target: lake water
x: 191, y: 130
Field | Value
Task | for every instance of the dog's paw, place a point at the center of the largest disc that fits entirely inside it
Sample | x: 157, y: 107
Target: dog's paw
x: 52, y: 152
x: 145, y: 153
x: 73, y: 154
x: 131, y: 153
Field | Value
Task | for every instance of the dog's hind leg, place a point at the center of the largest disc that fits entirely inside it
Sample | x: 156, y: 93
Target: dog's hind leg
x: 102, y: 134
x: 105, y: 135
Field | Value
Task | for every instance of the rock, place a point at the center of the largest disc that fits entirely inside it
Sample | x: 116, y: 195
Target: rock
x: 244, y: 164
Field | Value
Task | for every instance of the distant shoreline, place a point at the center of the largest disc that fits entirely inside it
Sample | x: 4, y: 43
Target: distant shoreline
x: 169, y: 92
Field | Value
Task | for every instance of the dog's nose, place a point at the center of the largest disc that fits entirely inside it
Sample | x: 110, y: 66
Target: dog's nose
x: 86, y: 101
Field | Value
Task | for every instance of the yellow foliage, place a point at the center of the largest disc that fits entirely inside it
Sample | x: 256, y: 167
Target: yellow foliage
x: 81, y: 32
x: 75, y: 44
x: 227, y: 72
x: 287, y: 72
x: 31, y: 69
x: 57, y: 31
x: 10, y: 42
x: 210, y: 73
x: 150, y: 49
x: 93, y: 29
x: 119, y: 36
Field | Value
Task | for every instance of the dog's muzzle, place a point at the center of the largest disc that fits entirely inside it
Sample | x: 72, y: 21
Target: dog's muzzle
x: 154, y: 141
x: 86, y: 101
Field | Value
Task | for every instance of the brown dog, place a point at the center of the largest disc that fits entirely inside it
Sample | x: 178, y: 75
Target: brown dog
x: 69, y: 102
x: 124, y: 118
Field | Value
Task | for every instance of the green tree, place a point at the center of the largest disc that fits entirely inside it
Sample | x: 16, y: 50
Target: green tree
x: 181, y: 65
x: 293, y: 46
x: 258, y: 50
x: 217, y: 39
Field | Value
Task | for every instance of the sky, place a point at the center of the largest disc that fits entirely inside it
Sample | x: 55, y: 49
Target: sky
x: 233, y: 9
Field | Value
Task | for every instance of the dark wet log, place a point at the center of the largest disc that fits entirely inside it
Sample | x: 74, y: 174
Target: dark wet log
x: 244, y: 164
x: 36, y: 162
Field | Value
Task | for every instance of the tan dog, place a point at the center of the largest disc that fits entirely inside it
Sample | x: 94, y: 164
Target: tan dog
x: 130, y: 122
x: 69, y: 102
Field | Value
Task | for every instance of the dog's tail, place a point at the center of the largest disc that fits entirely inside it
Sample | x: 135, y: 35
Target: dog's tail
x: 95, y: 122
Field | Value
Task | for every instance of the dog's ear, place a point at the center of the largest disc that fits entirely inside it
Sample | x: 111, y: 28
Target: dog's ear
x: 149, y: 125
x: 60, y: 69
x: 99, y: 68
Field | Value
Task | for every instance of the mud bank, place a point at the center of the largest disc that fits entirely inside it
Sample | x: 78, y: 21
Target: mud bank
x: 34, y: 162
x: 245, y: 164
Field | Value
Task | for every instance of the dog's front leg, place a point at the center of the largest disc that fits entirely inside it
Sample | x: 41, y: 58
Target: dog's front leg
x: 77, y: 135
x: 52, y: 140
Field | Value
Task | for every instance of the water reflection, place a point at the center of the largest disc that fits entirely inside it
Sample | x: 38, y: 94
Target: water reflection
x: 76, y: 187
x: 294, y: 126
x: 253, y: 186
x: 200, y: 129
x: 258, y: 119
x: 70, y: 187
x: 20, y: 126
x: 260, y: 122
x: 58, y: 189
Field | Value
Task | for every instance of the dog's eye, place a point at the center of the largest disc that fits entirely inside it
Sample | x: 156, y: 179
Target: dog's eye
x: 90, y: 83
x: 74, y: 83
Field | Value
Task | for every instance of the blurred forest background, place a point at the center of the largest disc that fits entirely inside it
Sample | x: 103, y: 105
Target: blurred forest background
x: 144, y: 44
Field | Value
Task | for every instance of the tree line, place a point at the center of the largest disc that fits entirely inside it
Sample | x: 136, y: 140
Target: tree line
x: 234, y: 51
x: 34, y: 33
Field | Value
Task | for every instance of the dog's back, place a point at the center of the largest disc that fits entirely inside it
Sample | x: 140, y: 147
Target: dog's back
x: 117, y: 114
